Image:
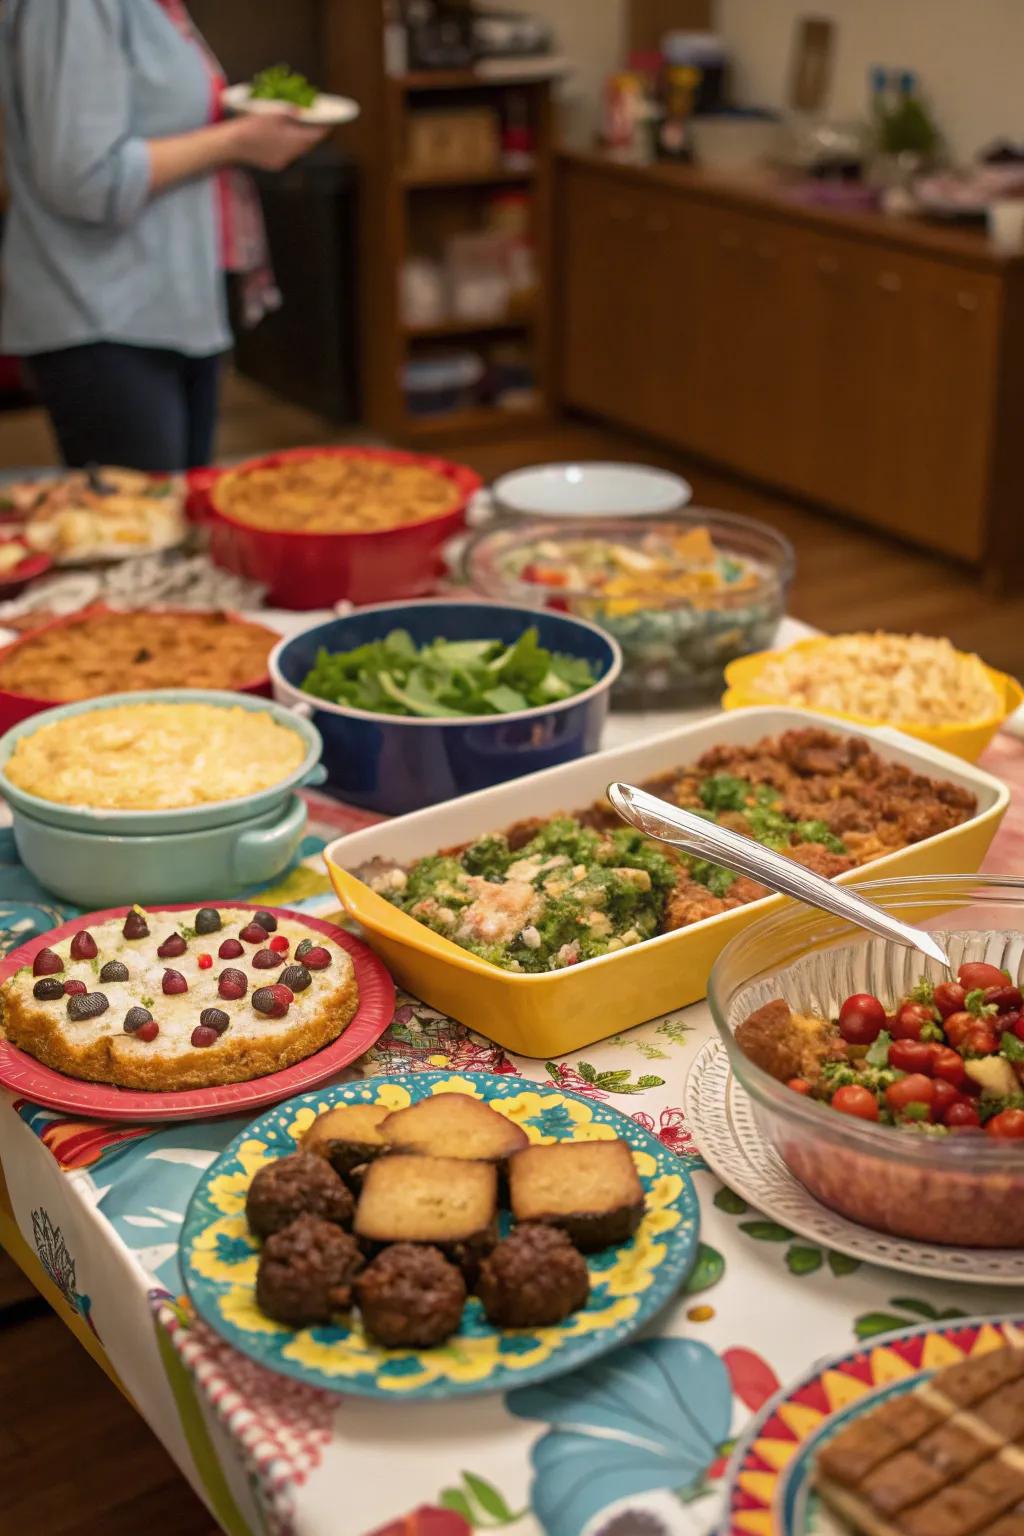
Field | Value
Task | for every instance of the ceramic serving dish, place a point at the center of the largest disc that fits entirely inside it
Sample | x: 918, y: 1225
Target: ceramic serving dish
x: 590, y: 490
x: 558, y: 1012
x: 395, y: 764
x: 102, y: 857
x: 966, y: 739
x: 966, y: 1190
x: 15, y: 707
x: 316, y: 570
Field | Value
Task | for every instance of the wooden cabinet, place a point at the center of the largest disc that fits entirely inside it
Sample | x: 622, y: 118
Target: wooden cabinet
x: 859, y: 372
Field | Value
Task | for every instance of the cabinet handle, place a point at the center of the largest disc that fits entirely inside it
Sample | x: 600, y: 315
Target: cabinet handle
x: 729, y: 240
x: 659, y: 224
x: 890, y: 282
x: 967, y: 300
x: 828, y: 266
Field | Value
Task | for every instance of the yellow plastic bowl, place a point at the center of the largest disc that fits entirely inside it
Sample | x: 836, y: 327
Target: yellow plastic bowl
x: 966, y: 739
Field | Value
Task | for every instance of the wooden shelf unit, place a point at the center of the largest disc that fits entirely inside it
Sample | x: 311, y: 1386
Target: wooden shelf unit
x: 395, y: 202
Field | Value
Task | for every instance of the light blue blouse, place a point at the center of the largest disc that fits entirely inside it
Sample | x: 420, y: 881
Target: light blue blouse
x: 88, y: 255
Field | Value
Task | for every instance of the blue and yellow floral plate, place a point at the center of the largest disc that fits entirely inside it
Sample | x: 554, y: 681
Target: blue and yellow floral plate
x: 629, y: 1284
x: 769, y: 1480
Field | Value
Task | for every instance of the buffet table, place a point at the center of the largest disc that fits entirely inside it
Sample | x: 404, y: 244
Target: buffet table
x: 93, y: 1213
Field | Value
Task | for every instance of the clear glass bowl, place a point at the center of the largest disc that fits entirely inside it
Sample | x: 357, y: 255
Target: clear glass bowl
x: 674, y: 650
x: 964, y: 1190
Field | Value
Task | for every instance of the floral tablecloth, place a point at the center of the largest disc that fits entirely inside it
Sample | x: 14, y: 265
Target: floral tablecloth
x: 632, y: 1445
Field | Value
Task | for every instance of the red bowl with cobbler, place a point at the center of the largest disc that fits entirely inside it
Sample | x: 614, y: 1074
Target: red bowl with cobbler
x: 103, y: 650
x: 892, y: 1089
x: 320, y: 525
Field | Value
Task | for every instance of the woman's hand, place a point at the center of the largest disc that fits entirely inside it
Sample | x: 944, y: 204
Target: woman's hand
x: 272, y: 141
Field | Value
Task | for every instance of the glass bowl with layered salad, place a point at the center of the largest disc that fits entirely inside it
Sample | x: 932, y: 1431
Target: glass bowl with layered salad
x: 891, y: 1088
x: 683, y: 595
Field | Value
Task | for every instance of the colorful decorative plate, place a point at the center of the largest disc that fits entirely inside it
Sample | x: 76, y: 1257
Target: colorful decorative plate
x: 629, y: 1283
x: 732, y: 1143
x: 768, y: 1482
x: 30, y: 1079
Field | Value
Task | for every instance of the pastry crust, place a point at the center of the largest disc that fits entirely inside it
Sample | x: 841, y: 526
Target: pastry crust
x: 252, y: 1046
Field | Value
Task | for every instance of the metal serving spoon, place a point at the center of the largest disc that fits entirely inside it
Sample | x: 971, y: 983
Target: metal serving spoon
x: 707, y: 840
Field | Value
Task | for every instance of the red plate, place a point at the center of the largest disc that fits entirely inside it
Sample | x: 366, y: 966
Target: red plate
x: 18, y: 577
x: 30, y: 1079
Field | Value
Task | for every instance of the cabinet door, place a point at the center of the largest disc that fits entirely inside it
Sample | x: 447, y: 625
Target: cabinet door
x: 599, y: 293
x: 935, y: 340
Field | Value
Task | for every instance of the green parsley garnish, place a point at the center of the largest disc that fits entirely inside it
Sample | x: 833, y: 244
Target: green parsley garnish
x: 877, y: 1054
x: 923, y: 992
x: 447, y: 679
x: 975, y: 1003
x: 1012, y: 1048
x: 279, y: 83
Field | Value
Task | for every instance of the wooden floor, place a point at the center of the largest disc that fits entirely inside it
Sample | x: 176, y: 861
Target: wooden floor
x: 75, y: 1460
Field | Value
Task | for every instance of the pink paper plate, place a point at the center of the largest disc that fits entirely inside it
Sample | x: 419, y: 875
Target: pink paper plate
x: 30, y: 1079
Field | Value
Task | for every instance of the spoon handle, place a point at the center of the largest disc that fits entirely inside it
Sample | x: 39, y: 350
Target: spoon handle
x: 707, y: 840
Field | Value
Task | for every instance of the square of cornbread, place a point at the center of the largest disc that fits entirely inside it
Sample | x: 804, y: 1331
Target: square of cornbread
x: 442, y: 1200
x: 588, y: 1188
x: 454, y: 1125
x: 348, y: 1136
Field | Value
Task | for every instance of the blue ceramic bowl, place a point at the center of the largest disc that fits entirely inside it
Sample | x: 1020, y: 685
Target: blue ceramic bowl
x: 96, y: 870
x: 393, y: 764
x: 101, y: 858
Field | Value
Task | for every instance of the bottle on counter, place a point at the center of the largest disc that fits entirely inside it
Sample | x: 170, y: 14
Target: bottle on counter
x: 674, y: 140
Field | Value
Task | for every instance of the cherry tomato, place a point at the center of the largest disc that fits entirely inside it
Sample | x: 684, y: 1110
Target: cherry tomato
x: 1017, y: 1027
x: 1005, y: 998
x: 912, y: 1056
x: 915, y: 1089
x: 947, y: 1065
x: 949, y: 998
x: 961, y: 1115
x: 857, y: 1101
x: 911, y: 1019
x: 978, y: 973
x: 1008, y: 1125
x: 861, y: 1019
x: 944, y: 1096
x: 982, y: 1040
x: 958, y: 1026
x: 545, y: 575
x: 799, y: 1085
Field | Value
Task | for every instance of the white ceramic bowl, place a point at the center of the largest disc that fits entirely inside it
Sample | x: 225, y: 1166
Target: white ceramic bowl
x: 590, y: 490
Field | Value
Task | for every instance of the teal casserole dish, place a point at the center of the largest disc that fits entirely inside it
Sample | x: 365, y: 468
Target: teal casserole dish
x: 99, y: 858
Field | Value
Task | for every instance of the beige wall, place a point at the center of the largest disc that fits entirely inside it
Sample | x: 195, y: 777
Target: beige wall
x: 969, y: 55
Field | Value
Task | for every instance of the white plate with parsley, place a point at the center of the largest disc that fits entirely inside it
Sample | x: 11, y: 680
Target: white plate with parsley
x: 280, y: 89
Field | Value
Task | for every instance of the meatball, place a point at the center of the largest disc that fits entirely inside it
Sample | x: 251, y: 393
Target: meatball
x: 410, y: 1297
x: 306, y: 1271
x: 302, y: 1184
x: 534, y: 1278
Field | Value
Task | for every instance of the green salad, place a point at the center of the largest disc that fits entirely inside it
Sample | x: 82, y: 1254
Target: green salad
x: 570, y: 894
x: 279, y: 83
x: 447, y: 679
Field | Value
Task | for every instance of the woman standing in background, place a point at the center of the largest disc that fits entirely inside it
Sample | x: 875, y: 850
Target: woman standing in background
x: 126, y: 210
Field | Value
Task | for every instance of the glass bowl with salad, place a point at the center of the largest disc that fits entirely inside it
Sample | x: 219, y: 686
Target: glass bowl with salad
x: 420, y: 702
x: 892, y: 1089
x: 683, y: 596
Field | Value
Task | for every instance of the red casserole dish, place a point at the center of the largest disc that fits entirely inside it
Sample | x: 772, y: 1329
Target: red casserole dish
x: 15, y: 707
x: 316, y: 570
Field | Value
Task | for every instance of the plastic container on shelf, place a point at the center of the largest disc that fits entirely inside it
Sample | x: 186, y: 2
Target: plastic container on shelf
x: 435, y: 386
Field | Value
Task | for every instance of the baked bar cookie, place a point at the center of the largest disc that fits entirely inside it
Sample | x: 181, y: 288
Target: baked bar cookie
x: 173, y: 1000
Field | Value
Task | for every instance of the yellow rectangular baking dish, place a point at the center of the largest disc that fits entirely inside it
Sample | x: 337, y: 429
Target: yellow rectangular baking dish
x: 561, y: 1011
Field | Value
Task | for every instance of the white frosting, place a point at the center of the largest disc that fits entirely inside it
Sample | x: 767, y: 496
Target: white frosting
x: 178, y: 1014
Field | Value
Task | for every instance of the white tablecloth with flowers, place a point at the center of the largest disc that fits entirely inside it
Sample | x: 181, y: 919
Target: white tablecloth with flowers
x: 633, y: 1445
